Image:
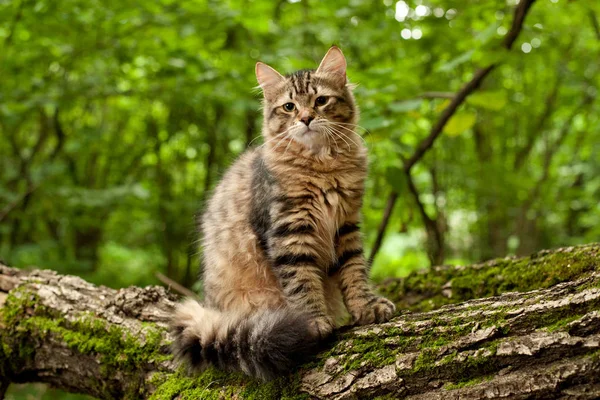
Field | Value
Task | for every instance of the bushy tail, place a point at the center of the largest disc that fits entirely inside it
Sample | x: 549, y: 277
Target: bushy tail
x: 263, y: 345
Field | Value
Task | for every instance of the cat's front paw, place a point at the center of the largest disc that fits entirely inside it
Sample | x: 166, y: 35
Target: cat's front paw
x: 376, y: 310
x: 321, y: 327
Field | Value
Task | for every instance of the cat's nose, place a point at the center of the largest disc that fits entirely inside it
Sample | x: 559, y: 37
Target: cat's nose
x: 307, y: 119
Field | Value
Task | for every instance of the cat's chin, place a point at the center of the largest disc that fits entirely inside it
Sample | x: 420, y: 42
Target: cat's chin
x: 312, y: 140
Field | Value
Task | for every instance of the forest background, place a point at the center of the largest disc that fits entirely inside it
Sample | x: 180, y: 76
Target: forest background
x: 117, y: 119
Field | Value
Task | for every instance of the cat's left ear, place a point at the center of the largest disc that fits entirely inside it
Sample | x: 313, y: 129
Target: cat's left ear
x: 334, y: 64
x: 268, y: 78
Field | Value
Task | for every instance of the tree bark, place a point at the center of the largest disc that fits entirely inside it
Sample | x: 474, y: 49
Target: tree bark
x: 515, y: 328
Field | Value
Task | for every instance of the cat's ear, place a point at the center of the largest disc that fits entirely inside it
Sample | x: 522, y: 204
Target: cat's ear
x: 334, y: 64
x: 267, y: 78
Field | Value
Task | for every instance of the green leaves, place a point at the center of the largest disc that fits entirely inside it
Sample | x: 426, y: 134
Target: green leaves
x: 490, y: 100
x: 452, y: 64
x: 464, y: 120
x: 460, y: 122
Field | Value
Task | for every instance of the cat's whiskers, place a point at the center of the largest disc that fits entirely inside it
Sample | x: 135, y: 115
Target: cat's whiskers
x: 290, y: 132
x: 354, y: 126
x: 341, y: 136
x: 286, y: 134
x: 282, y: 140
x: 329, y: 137
x: 348, y: 136
x: 333, y: 136
x: 273, y: 138
x: 287, y: 147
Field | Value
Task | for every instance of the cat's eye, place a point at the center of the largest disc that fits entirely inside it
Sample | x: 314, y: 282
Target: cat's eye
x: 289, y: 107
x: 321, y: 101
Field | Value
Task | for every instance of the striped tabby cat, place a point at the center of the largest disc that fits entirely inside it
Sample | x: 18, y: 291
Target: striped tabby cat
x: 283, y: 255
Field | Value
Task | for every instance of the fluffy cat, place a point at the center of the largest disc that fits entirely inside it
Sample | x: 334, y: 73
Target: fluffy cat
x: 283, y: 254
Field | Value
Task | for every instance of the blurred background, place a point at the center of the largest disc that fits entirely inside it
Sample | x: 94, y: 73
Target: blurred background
x: 117, y: 119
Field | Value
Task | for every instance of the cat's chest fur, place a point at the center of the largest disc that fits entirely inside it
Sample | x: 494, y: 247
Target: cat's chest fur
x: 330, y: 200
x: 336, y: 203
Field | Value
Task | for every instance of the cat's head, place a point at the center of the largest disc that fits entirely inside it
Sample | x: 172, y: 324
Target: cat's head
x: 314, y: 108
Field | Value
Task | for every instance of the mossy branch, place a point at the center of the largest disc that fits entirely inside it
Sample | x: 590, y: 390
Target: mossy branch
x: 539, y: 337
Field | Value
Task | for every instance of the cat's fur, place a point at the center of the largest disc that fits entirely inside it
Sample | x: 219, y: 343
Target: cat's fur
x: 283, y: 255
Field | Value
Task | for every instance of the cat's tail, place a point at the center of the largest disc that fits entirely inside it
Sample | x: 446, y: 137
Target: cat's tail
x: 264, y: 345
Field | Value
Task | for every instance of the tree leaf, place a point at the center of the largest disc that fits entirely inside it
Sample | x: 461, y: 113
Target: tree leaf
x: 491, y: 100
x: 450, y: 65
x: 487, y: 34
x: 460, y: 122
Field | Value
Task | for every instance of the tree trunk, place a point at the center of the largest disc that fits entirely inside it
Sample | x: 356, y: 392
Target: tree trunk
x: 537, y: 337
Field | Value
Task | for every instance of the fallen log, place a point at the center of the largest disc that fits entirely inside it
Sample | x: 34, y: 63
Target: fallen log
x: 509, y: 328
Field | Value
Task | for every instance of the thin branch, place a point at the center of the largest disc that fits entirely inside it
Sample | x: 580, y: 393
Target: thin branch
x: 517, y: 24
x: 391, y: 201
x: 171, y: 284
x: 448, y: 112
x: 436, y: 240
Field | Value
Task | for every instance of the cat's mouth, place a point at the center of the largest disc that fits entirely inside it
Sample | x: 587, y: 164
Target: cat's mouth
x: 309, y: 137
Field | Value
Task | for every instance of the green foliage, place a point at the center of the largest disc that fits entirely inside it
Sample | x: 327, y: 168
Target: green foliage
x: 112, y: 135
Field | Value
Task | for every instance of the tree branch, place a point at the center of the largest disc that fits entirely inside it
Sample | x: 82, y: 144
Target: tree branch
x: 387, y: 214
x: 434, y: 235
x: 112, y: 344
x: 448, y: 112
x: 179, y: 288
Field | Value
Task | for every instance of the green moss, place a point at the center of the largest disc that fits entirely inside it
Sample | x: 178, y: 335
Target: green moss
x: 540, y: 270
x: 425, y: 360
x: 17, y: 303
x: 467, y: 382
x: 215, y: 384
x: 212, y: 384
x: 373, y: 349
x: 595, y: 356
x: 26, y: 322
x: 91, y: 335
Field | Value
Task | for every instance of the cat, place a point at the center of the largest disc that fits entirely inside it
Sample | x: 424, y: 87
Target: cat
x: 282, y: 251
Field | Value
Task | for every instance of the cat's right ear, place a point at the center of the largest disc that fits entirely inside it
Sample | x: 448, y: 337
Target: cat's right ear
x: 268, y: 78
